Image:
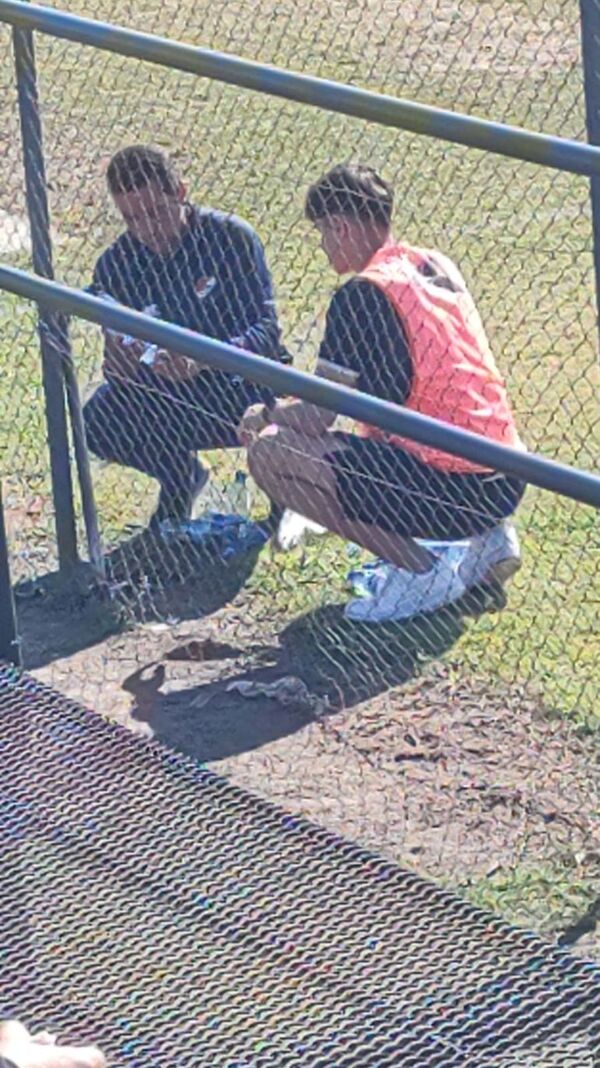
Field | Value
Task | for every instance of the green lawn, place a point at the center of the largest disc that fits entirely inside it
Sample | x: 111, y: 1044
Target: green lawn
x: 521, y: 234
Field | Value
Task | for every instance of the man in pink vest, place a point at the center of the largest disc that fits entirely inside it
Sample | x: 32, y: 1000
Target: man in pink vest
x: 405, y: 329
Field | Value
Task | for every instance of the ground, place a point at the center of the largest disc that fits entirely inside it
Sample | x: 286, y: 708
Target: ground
x: 467, y: 747
x: 372, y: 734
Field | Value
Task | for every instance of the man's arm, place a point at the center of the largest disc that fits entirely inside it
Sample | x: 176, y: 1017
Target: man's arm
x: 364, y: 347
x: 121, y: 360
x: 300, y: 415
x: 251, y: 286
x: 308, y: 418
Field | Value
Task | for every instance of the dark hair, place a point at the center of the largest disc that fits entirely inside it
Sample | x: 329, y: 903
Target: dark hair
x: 354, y: 191
x: 135, y: 167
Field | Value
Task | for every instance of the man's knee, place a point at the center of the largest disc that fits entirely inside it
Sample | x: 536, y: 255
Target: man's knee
x: 258, y: 461
x: 268, y: 458
x: 99, y: 422
x: 293, y: 455
x: 91, y: 422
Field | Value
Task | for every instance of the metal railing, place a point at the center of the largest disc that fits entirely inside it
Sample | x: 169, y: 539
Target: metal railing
x: 554, y: 152
x: 547, y: 474
x: 542, y: 648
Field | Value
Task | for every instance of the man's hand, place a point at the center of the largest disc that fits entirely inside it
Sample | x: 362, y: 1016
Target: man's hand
x: 253, y: 423
x: 121, y: 360
x: 41, y: 1051
x: 174, y: 367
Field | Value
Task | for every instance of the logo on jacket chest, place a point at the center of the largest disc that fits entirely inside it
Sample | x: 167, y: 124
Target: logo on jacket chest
x: 204, y: 285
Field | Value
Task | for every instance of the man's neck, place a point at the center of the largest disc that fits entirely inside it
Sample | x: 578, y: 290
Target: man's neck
x: 187, y: 215
x: 379, y: 245
x: 186, y: 223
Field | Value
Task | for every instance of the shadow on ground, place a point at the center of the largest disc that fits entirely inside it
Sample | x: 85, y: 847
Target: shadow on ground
x: 147, y: 580
x: 339, y: 664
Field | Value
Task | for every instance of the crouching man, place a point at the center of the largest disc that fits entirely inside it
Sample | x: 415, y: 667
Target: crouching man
x: 403, y: 328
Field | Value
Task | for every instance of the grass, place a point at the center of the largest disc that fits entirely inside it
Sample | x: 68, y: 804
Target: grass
x: 547, y: 898
x: 521, y: 233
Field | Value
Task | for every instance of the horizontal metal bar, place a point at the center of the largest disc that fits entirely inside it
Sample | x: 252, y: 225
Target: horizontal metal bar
x: 560, y: 153
x: 568, y: 481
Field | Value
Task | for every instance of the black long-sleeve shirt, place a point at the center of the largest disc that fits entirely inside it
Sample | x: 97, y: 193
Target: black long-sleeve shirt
x: 364, y: 334
x: 216, y: 282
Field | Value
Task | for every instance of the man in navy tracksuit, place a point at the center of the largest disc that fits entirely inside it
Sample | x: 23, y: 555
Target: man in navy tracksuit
x: 197, y: 268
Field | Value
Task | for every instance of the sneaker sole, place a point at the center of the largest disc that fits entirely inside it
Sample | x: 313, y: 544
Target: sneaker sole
x: 452, y: 598
x: 487, y: 594
x: 501, y: 571
x: 484, y: 599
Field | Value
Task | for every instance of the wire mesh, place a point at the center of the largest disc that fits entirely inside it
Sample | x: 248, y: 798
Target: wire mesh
x: 174, y: 916
x: 463, y: 741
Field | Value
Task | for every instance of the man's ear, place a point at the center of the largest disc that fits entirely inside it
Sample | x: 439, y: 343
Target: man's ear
x: 182, y: 192
x: 340, y: 226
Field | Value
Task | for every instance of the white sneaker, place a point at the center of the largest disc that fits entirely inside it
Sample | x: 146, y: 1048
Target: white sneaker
x: 492, y: 557
x: 367, y: 579
x: 293, y: 529
x: 404, y: 594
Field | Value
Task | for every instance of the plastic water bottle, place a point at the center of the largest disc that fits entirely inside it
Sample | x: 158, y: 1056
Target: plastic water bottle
x: 212, y: 498
x: 150, y: 351
x: 236, y: 495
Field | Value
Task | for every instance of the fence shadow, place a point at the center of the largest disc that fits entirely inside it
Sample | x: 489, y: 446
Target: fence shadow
x: 339, y: 664
x: 147, y: 580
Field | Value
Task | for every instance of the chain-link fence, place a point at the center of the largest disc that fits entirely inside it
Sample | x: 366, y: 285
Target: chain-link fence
x: 256, y: 939
x: 461, y: 741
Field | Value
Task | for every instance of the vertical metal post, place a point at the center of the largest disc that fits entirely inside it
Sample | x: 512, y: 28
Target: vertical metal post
x: 10, y: 648
x: 86, y: 487
x: 48, y: 323
x: 590, y: 48
x: 59, y: 339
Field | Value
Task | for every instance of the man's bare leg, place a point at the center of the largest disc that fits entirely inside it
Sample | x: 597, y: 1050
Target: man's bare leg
x: 292, y: 469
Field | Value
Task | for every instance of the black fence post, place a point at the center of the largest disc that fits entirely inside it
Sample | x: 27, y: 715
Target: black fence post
x: 590, y: 49
x: 49, y: 323
x: 10, y: 648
